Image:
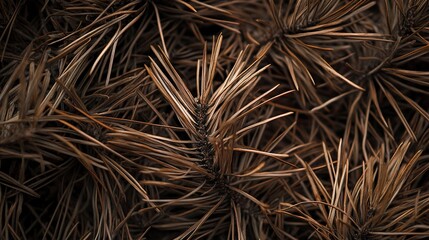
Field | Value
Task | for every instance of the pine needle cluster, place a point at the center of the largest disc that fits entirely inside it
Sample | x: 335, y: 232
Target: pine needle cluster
x: 192, y: 119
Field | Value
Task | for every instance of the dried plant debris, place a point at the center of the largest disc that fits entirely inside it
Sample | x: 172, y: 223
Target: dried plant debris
x: 192, y: 119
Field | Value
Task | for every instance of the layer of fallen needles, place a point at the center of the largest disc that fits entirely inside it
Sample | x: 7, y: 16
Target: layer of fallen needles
x: 194, y: 119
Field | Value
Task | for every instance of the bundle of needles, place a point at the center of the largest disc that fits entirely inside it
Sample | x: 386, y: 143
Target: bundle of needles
x: 211, y: 119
